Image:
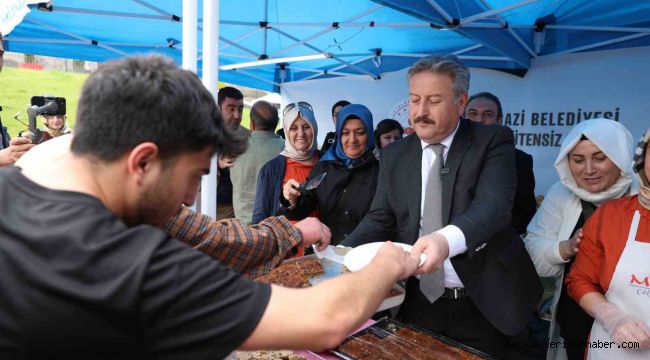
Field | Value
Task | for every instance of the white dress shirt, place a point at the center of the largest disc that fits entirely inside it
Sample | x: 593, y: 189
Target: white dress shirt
x: 453, y: 234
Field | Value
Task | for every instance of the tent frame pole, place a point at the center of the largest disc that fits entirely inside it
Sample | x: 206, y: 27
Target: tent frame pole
x: 251, y: 75
x: 445, y: 15
x: 190, y: 52
x: 242, y: 37
x: 602, y: 43
x: 512, y: 32
x: 266, y: 20
x: 334, y: 57
x: 210, y: 81
x: 492, y: 12
x: 329, y: 29
x: 89, y: 41
x: 599, y: 28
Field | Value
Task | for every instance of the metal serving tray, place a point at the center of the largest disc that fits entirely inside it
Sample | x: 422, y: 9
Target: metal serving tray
x: 386, y: 327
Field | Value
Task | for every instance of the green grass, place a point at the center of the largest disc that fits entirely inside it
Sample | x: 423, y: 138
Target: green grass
x: 17, y: 86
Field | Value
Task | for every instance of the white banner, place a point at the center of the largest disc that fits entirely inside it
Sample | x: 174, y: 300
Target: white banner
x: 557, y: 93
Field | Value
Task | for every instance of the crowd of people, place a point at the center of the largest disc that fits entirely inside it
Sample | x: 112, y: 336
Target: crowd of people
x: 101, y: 255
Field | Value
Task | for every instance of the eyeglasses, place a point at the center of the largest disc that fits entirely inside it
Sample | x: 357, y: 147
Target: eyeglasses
x: 299, y: 104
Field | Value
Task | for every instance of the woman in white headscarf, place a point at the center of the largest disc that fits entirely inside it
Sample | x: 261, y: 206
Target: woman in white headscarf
x: 294, y: 162
x: 610, y: 277
x: 594, y: 165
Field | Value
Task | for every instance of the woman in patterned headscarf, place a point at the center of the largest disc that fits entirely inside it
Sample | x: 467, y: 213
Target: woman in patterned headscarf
x: 343, y: 197
x: 294, y: 162
x: 610, y: 278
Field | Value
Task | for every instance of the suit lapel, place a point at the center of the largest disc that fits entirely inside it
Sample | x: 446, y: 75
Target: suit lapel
x: 413, y: 167
x: 459, y: 147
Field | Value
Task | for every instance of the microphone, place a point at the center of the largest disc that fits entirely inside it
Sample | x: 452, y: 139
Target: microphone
x: 444, y: 171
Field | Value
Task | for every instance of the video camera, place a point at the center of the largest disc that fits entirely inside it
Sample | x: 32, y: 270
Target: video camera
x: 42, y: 105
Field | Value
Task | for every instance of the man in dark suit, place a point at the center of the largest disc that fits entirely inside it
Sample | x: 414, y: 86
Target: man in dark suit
x: 490, y: 285
x: 485, y: 108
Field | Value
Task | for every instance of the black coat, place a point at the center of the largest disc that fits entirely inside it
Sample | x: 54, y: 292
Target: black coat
x: 479, y: 184
x: 343, y: 197
x: 525, y: 204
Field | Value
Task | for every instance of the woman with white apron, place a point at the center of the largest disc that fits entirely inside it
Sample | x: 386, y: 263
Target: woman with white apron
x: 618, y: 238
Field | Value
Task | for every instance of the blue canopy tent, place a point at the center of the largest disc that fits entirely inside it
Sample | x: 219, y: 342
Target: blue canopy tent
x: 291, y: 40
x: 359, y: 37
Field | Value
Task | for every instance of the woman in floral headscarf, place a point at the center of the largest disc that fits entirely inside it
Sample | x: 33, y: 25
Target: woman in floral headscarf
x: 294, y: 162
x: 610, y: 278
x: 343, y: 197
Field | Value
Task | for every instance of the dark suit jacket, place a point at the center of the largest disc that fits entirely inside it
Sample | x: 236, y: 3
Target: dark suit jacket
x: 525, y: 204
x: 478, y: 190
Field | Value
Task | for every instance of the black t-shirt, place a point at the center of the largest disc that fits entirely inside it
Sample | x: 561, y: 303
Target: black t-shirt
x: 76, y: 282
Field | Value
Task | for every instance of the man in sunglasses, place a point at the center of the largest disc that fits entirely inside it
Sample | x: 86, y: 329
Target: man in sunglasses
x: 10, y: 149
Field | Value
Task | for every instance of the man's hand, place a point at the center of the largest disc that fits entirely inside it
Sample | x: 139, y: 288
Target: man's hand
x: 290, y: 191
x: 391, y: 255
x: 225, y: 161
x: 17, y: 148
x: 314, y: 232
x: 569, y: 248
x: 436, y: 248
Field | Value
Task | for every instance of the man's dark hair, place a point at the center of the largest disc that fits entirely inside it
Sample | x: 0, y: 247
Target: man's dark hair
x: 264, y: 115
x: 489, y: 96
x: 385, y: 126
x: 228, y: 92
x: 342, y: 103
x: 134, y: 100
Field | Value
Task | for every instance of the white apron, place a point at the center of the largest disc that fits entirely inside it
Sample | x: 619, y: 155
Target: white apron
x: 629, y: 291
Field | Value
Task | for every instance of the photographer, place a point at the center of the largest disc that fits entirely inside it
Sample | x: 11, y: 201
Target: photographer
x: 53, y: 111
x: 10, y: 149
x: 55, y: 125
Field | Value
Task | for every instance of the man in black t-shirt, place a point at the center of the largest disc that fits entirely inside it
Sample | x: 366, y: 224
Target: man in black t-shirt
x: 330, y: 137
x: 85, y: 275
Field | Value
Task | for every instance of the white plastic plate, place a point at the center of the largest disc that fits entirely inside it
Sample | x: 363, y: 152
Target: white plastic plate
x: 361, y: 256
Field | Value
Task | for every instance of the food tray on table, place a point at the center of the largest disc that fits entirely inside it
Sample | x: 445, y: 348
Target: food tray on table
x: 306, y: 274
x: 391, y: 339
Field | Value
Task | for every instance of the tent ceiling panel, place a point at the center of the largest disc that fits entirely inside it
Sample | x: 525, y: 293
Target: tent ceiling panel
x: 364, y: 37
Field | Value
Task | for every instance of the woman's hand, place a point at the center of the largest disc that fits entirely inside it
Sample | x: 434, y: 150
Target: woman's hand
x: 569, y: 248
x: 290, y: 191
x: 226, y: 161
x: 621, y: 326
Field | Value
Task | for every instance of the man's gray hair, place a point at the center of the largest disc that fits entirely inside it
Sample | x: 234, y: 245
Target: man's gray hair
x: 444, y: 64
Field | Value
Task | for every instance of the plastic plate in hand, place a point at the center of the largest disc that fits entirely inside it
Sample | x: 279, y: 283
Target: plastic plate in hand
x: 362, y: 255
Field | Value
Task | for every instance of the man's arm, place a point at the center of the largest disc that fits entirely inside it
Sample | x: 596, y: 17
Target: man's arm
x: 17, y: 148
x: 250, y: 250
x: 494, y: 193
x: 320, y: 317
